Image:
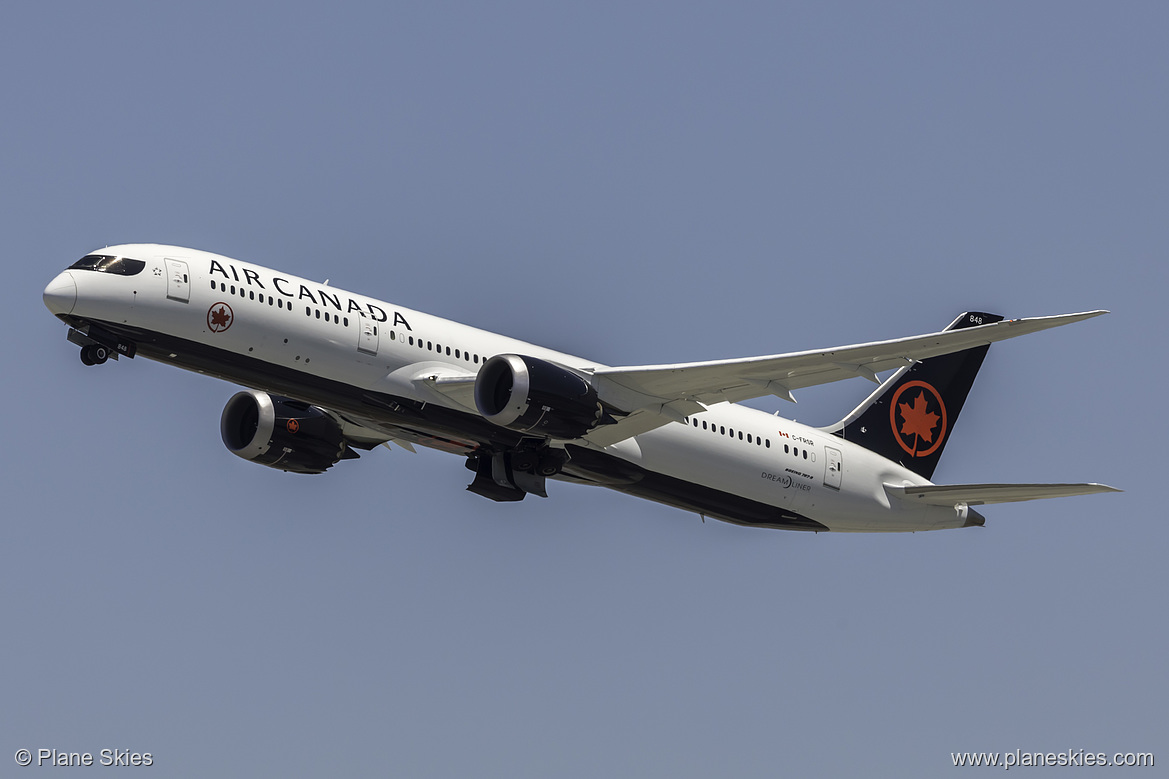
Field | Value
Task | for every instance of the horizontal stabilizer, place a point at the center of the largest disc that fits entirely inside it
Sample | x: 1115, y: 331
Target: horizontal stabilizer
x: 979, y: 494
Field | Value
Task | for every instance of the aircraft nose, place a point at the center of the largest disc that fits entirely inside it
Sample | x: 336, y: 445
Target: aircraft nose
x: 61, y: 294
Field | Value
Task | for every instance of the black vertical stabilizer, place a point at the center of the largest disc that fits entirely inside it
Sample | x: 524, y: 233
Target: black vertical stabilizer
x: 910, y: 417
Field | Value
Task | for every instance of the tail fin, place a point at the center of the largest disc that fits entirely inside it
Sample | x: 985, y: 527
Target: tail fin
x: 908, y: 419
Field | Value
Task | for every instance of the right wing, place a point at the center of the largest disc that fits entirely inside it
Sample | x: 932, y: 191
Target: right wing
x: 654, y: 395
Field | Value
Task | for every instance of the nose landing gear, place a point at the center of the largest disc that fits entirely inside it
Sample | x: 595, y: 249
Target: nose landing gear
x: 94, y: 354
x: 98, y: 345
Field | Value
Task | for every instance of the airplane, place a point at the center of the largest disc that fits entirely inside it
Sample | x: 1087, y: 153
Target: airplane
x: 330, y: 373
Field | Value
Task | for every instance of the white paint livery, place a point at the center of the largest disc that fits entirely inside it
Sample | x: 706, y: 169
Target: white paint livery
x: 390, y: 374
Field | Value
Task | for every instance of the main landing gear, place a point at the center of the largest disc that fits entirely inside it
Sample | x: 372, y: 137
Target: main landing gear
x: 510, y: 475
x: 94, y: 354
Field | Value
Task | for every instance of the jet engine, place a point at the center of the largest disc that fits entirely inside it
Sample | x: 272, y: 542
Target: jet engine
x: 536, y: 396
x: 282, y: 433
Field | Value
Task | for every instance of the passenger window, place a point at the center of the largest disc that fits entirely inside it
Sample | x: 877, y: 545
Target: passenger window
x: 740, y: 435
x: 768, y: 443
x: 722, y: 430
x: 457, y: 354
x: 704, y: 424
x: 748, y: 438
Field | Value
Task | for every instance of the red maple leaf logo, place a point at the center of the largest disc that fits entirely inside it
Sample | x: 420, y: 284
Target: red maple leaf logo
x: 219, y: 317
x: 919, y: 420
x: 922, y: 427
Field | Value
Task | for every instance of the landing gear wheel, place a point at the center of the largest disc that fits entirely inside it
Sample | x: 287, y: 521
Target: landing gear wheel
x: 94, y: 354
x: 551, y: 462
x: 523, y: 460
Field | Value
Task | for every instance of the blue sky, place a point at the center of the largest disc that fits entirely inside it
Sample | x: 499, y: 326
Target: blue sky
x: 636, y: 183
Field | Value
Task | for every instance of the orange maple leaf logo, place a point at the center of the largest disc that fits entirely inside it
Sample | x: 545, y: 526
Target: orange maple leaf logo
x: 220, y: 318
x: 919, y: 420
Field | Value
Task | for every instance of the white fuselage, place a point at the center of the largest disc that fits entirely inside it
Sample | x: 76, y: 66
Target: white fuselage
x: 247, y: 322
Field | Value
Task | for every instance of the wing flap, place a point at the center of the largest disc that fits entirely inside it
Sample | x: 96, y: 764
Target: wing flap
x: 980, y: 494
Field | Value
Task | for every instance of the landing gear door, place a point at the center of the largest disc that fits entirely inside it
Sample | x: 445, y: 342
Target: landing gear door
x: 367, y: 335
x: 832, y: 468
x: 178, y: 282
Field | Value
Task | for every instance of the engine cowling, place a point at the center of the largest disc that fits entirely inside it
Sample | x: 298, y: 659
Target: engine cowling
x: 536, y: 396
x: 281, y: 433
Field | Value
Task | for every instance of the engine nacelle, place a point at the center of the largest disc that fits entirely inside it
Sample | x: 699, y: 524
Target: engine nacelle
x: 281, y: 433
x: 535, y: 396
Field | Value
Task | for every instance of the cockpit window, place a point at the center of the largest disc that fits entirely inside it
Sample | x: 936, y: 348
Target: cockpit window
x: 105, y: 263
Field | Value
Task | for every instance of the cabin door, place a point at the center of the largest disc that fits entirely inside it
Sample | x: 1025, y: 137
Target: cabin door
x: 832, y: 468
x: 178, y: 282
x: 367, y: 335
